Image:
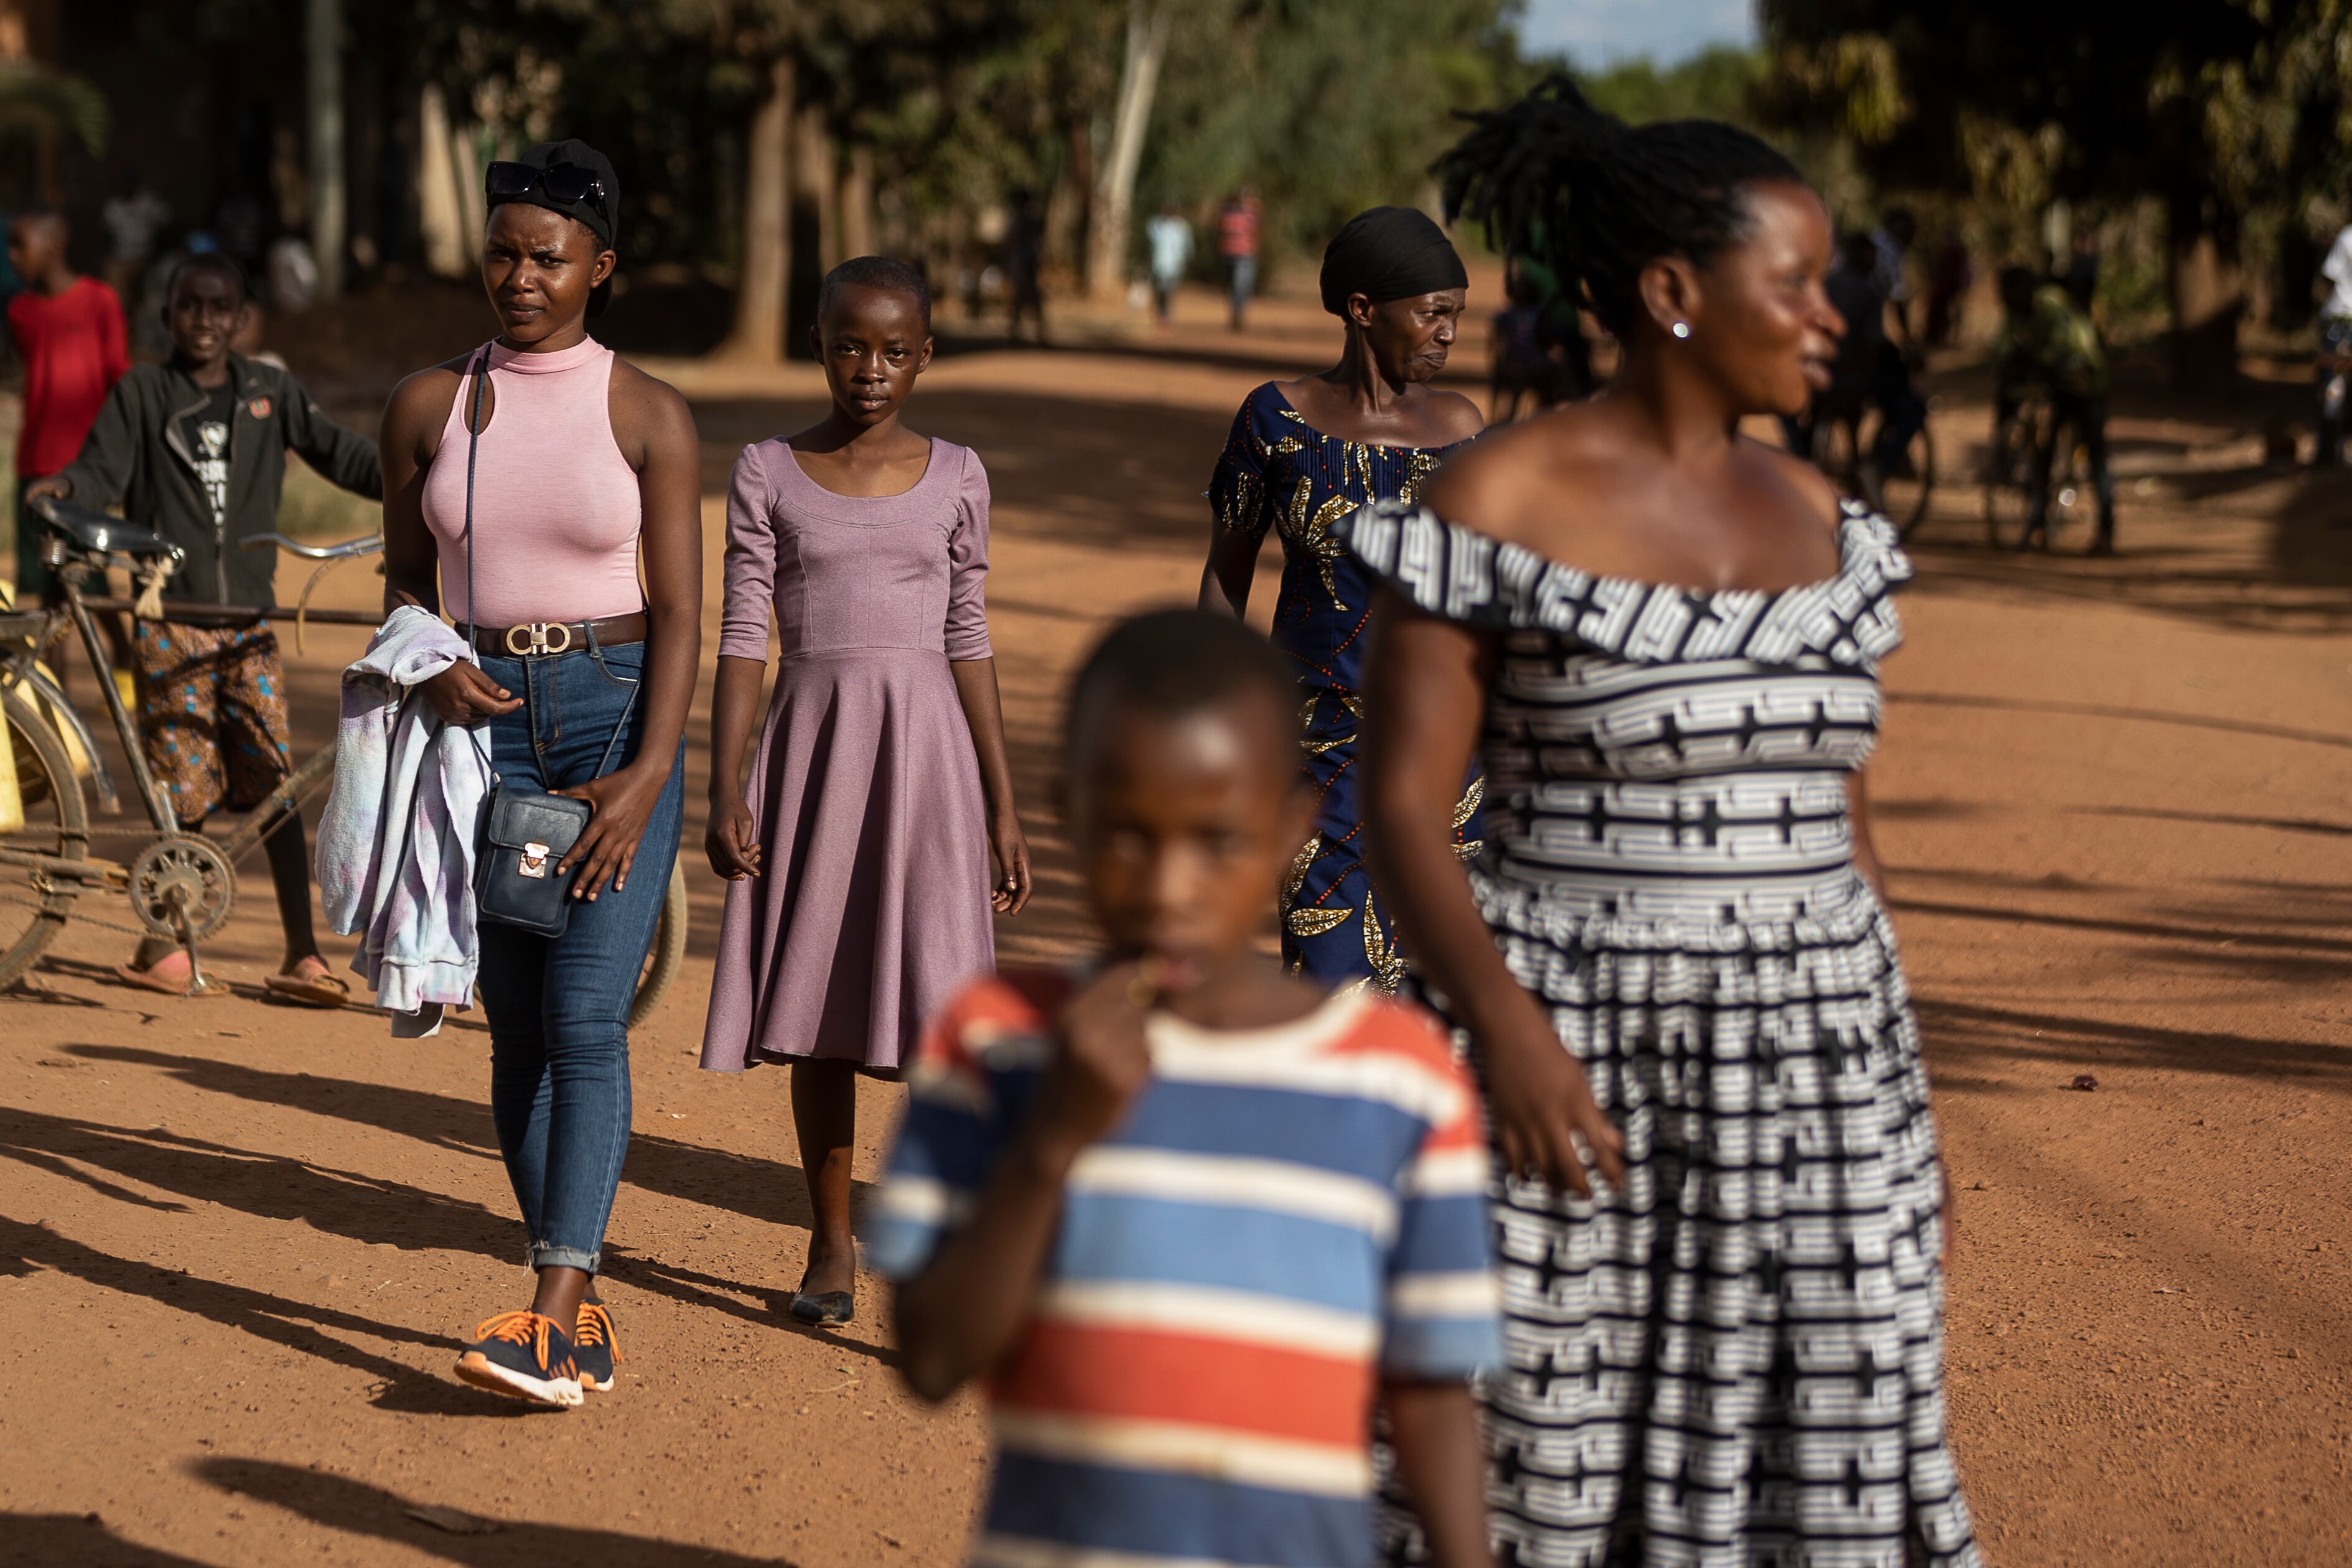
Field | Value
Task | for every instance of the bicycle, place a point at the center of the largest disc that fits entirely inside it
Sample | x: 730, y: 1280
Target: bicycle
x: 2008, y: 476
x: 182, y: 886
x: 2331, y: 372
x: 1843, y: 429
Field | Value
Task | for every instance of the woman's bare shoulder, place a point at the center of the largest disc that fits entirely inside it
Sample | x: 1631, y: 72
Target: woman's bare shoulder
x: 420, y: 391
x: 419, y: 406
x: 647, y: 410
x: 1810, y: 486
x: 1457, y: 417
x: 1512, y: 484
x: 649, y: 393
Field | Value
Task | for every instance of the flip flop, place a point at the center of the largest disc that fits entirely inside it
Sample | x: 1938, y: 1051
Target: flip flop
x: 148, y: 980
x: 308, y: 990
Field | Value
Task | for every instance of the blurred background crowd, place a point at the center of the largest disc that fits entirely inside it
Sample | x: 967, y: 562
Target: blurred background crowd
x: 2188, y: 159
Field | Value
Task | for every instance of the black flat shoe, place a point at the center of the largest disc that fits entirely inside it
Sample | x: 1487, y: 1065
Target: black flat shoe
x: 823, y: 1309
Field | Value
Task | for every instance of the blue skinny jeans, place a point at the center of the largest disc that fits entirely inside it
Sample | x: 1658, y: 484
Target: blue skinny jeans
x: 559, y: 1006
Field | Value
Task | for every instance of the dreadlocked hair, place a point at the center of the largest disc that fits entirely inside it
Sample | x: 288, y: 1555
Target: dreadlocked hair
x: 1554, y: 179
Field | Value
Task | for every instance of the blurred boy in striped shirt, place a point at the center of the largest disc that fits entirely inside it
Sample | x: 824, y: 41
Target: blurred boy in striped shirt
x: 1191, y: 1217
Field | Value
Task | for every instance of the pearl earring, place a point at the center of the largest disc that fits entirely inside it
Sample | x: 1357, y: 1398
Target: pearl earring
x: 1682, y: 329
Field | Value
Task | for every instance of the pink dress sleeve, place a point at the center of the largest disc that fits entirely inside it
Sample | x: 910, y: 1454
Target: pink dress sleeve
x: 967, y: 627
x: 750, y: 573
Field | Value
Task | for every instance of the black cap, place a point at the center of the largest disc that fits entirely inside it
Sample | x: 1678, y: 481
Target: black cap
x: 603, y: 216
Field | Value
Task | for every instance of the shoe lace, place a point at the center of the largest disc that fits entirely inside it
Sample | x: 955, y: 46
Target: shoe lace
x: 595, y: 1327
x: 523, y: 1328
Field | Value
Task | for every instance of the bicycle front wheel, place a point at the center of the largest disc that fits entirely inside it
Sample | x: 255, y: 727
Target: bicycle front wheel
x: 35, y: 904
x: 1911, y: 485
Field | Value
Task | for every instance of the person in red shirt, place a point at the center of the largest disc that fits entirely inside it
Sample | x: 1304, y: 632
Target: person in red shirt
x: 1237, y: 244
x: 68, y: 330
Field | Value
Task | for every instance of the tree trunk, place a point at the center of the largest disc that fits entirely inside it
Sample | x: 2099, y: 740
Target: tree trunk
x: 858, y: 202
x: 366, y: 115
x: 816, y: 242
x: 2208, y: 286
x: 1139, y: 78
x: 440, y: 198
x: 766, y: 254
x: 1069, y: 204
x: 323, y: 46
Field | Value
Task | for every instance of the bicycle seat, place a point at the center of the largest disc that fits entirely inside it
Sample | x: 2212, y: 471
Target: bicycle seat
x: 97, y: 533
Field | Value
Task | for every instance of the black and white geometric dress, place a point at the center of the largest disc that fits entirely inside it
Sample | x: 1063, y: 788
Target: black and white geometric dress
x: 1734, y: 1358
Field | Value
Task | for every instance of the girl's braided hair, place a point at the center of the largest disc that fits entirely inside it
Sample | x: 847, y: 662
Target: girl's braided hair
x: 1554, y: 179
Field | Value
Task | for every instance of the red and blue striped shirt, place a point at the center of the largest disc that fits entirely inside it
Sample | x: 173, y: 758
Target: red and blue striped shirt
x: 1286, y: 1216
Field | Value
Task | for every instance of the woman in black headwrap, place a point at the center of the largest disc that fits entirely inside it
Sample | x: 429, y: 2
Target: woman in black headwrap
x: 1304, y: 454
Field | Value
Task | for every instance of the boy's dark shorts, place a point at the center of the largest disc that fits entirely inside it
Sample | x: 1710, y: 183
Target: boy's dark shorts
x: 33, y: 578
x: 212, y: 715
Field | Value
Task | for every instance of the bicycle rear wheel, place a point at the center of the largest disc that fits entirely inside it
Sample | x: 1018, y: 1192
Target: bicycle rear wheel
x: 35, y: 907
x: 2072, y: 498
x: 668, y: 949
x: 2009, y: 484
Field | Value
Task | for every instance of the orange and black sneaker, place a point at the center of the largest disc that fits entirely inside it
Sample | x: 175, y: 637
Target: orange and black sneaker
x: 523, y: 1356
x: 594, y: 1351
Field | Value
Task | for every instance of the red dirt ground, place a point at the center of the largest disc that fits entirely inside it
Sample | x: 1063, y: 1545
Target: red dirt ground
x: 239, y: 1244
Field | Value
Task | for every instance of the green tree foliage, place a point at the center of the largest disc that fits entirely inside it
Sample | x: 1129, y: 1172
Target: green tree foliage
x: 1326, y: 107
x: 38, y: 101
x: 1720, y: 83
x: 2226, y: 110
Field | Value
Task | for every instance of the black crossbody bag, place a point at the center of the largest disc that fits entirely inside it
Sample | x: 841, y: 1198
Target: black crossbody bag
x: 525, y: 832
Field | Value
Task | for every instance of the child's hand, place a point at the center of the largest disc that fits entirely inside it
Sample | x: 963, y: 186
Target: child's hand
x: 1102, y: 1060
x: 1012, y: 881
x: 733, y: 841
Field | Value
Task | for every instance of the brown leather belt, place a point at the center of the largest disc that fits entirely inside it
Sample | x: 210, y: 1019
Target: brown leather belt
x: 543, y: 637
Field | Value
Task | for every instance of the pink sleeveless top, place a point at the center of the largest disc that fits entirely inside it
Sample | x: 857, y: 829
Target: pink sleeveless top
x: 556, y: 507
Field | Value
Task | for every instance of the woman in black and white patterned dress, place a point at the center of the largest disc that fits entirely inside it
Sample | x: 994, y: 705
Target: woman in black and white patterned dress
x: 1719, y: 1208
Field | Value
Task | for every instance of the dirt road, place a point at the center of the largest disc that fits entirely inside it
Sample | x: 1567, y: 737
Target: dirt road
x: 239, y: 1245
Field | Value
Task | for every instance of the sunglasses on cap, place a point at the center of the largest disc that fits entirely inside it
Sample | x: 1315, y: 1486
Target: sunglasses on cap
x: 566, y: 183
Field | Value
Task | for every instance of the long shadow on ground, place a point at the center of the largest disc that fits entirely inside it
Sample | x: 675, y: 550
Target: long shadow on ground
x: 1965, y: 1037
x: 746, y: 1184
x: 360, y: 1207
x: 79, y: 1541
x: 296, y: 1325
x: 355, y: 1506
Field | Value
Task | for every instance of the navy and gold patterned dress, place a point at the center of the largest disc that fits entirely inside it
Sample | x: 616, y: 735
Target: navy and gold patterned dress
x: 1278, y: 472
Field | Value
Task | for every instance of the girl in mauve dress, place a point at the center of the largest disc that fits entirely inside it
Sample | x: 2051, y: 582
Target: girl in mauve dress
x: 859, y: 854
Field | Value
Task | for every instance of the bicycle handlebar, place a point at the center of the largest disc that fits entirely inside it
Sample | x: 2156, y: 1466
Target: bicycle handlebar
x: 343, y: 552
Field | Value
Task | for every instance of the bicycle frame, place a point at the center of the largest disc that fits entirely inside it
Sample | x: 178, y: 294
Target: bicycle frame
x: 79, y: 611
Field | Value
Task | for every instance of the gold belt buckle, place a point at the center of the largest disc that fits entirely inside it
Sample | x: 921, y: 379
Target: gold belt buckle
x: 537, y: 632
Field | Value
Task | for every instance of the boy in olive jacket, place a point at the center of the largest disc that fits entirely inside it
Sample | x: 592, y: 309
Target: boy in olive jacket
x: 195, y: 449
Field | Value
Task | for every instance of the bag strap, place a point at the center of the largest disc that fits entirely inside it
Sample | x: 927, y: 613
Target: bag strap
x: 623, y: 721
x: 480, y: 372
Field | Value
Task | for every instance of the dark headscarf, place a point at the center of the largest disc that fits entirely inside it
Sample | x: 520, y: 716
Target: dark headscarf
x: 1389, y: 253
x: 602, y: 219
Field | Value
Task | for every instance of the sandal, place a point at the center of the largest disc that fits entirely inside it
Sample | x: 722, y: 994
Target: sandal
x: 320, y: 990
x: 148, y: 980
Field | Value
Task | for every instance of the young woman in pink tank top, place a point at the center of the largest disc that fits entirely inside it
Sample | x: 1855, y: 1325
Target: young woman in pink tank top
x: 582, y: 468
